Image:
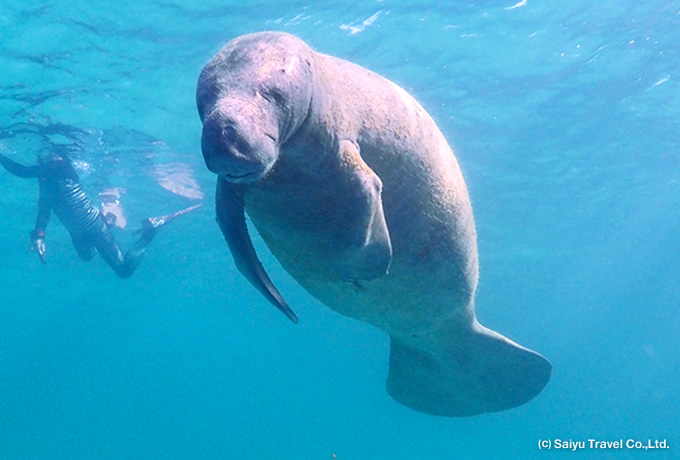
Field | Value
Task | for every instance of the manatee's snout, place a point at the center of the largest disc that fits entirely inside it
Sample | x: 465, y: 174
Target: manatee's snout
x: 236, y: 151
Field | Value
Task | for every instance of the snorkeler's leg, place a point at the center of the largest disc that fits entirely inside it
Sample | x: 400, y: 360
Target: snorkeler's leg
x: 123, y: 264
x: 158, y: 222
x: 84, y: 247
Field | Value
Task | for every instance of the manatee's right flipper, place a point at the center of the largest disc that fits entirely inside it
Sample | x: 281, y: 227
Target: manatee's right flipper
x: 232, y: 221
x: 456, y: 374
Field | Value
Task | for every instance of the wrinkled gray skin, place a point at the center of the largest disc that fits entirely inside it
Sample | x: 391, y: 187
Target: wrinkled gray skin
x: 356, y: 192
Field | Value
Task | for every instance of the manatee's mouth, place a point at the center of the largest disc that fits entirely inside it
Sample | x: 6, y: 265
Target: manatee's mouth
x: 245, y: 177
x: 240, y: 152
x: 239, y: 176
x: 234, y: 166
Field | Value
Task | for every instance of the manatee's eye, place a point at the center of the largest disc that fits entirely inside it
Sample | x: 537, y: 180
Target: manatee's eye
x: 278, y: 96
x: 273, y: 96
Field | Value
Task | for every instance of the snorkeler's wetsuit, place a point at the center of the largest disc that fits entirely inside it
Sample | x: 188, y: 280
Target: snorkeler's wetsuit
x: 61, y: 192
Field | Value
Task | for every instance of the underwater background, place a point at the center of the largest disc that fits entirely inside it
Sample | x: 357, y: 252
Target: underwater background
x: 565, y: 119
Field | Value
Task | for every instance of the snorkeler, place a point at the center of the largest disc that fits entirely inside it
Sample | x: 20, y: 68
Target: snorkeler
x: 61, y: 192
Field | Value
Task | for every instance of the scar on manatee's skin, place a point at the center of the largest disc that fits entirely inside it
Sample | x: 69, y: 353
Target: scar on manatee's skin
x: 350, y: 157
x: 356, y: 284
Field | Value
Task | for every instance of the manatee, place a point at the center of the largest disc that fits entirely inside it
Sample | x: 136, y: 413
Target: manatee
x: 358, y: 195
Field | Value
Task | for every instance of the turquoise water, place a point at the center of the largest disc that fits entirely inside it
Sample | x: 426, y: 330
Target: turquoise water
x: 564, y: 117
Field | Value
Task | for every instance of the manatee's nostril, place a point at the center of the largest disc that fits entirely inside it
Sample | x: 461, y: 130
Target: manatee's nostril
x: 229, y: 135
x: 234, y: 141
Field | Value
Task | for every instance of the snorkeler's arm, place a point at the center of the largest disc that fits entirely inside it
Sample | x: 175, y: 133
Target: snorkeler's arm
x: 38, y: 233
x: 43, y: 212
x: 18, y: 169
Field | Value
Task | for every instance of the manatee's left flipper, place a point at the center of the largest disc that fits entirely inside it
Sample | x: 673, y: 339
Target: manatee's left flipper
x: 368, y: 249
x: 232, y: 221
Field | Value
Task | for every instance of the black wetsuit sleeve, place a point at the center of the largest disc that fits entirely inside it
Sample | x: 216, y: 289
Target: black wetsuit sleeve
x: 43, y: 213
x: 20, y: 170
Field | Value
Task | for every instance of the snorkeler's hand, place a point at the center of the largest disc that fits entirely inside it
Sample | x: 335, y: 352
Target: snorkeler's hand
x: 38, y: 243
x: 39, y: 247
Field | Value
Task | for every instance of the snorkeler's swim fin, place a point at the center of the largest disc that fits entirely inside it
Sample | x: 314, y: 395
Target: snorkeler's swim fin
x: 157, y: 222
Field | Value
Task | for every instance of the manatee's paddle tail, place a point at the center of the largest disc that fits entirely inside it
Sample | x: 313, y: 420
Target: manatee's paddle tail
x: 459, y: 373
x: 232, y: 221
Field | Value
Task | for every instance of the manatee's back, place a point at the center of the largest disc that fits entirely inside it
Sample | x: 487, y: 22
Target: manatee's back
x: 442, y: 360
x: 425, y: 201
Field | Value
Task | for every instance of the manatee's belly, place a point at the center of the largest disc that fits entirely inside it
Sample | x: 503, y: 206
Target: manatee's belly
x: 433, y: 274
x: 304, y: 224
